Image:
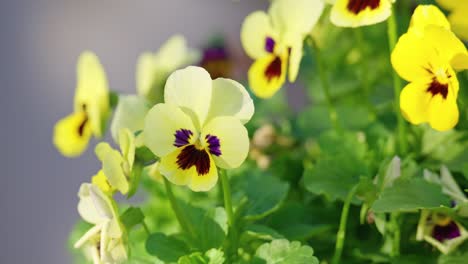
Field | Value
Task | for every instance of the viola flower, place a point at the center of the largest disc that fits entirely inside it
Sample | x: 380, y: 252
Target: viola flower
x: 440, y: 231
x: 117, y: 166
x: 274, y: 41
x: 457, y: 17
x: 357, y: 13
x: 153, y: 68
x: 429, y: 62
x: 105, y: 242
x: 216, y: 59
x: 199, y: 127
x: 91, y: 108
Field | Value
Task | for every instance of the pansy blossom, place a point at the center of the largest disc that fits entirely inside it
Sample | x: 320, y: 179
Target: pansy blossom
x: 199, y: 127
x: 105, y: 242
x: 429, y: 59
x: 274, y: 41
x: 356, y: 13
x: 72, y: 133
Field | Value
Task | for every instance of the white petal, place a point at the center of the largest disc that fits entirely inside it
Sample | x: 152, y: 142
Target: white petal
x: 233, y: 141
x: 230, y: 98
x: 191, y: 89
x: 297, y: 16
x: 161, y: 124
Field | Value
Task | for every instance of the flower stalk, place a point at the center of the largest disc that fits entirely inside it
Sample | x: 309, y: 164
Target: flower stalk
x: 392, y: 31
x: 183, y: 221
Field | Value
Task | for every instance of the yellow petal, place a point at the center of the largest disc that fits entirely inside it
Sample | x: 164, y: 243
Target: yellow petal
x: 169, y: 169
x: 346, y: 14
x: 412, y: 57
x: 298, y: 16
x: 414, y: 102
x: 130, y: 113
x: 444, y: 42
x: 231, y: 141
x: 230, y: 98
x: 460, y: 62
x: 92, y: 91
x: 267, y: 75
x: 425, y: 15
x: 161, y: 124
x: 112, y: 162
x: 449, y: 4
x: 72, y: 134
x: 100, y: 180
x: 175, y: 53
x: 206, y: 182
x: 190, y: 88
x: 443, y: 113
x: 127, y: 147
x: 149, y: 82
x: 256, y: 28
x: 295, y: 60
x: 459, y: 21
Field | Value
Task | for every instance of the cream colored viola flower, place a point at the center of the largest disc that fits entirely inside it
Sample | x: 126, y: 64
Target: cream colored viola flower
x: 105, y: 242
x: 357, y: 13
x: 274, y: 40
x: 458, y: 16
x: 117, y: 166
x: 154, y: 68
x: 429, y: 61
x: 199, y: 127
x: 441, y: 231
x: 91, y: 108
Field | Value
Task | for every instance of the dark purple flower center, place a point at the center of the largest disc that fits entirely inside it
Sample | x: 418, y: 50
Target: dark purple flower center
x: 436, y: 88
x: 446, y: 232
x: 192, y: 156
x: 213, y: 145
x: 357, y: 6
x: 83, y: 123
x: 182, y: 137
x: 269, y: 44
x: 274, y: 69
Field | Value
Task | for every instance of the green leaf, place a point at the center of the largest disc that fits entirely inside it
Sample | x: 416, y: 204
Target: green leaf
x: 135, y: 179
x: 132, y: 217
x: 262, y: 232
x: 166, y: 248
x: 281, y: 251
x: 212, y: 256
x: 264, y: 193
x: 409, y: 195
x: 453, y: 259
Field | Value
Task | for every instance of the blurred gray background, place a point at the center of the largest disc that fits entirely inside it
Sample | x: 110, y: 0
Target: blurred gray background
x: 40, y: 41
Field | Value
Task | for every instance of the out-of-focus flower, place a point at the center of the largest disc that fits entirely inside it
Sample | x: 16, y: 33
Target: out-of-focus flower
x: 274, y: 41
x: 440, y: 231
x: 154, y: 68
x: 425, y: 15
x: 458, y: 16
x: 357, y: 13
x: 105, y: 242
x: 200, y: 126
x: 428, y: 57
x: 91, y: 108
x: 117, y: 166
x: 216, y: 59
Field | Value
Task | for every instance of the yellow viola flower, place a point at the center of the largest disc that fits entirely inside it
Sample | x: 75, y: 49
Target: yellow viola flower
x: 274, y: 41
x: 457, y: 17
x: 91, y: 108
x: 100, y: 180
x: 429, y: 62
x: 441, y: 231
x: 199, y: 127
x: 357, y: 13
x: 117, y: 166
x: 105, y: 242
x: 154, y: 68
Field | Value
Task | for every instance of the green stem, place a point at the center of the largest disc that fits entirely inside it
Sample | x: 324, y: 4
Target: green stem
x: 324, y: 80
x: 396, y: 234
x: 232, y: 245
x: 183, y: 221
x: 392, y: 40
x: 145, y: 227
x: 366, y: 88
x: 341, y: 235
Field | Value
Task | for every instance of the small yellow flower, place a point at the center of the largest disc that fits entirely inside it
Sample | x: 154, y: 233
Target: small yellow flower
x: 91, y: 108
x: 458, y: 16
x: 427, y: 57
x: 200, y: 126
x: 357, y: 13
x: 117, y: 166
x: 105, y: 242
x: 274, y: 41
x: 154, y: 68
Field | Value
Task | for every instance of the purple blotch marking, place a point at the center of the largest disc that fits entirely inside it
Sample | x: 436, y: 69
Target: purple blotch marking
x: 182, y: 137
x: 447, y: 232
x: 269, y: 44
x: 213, y: 144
